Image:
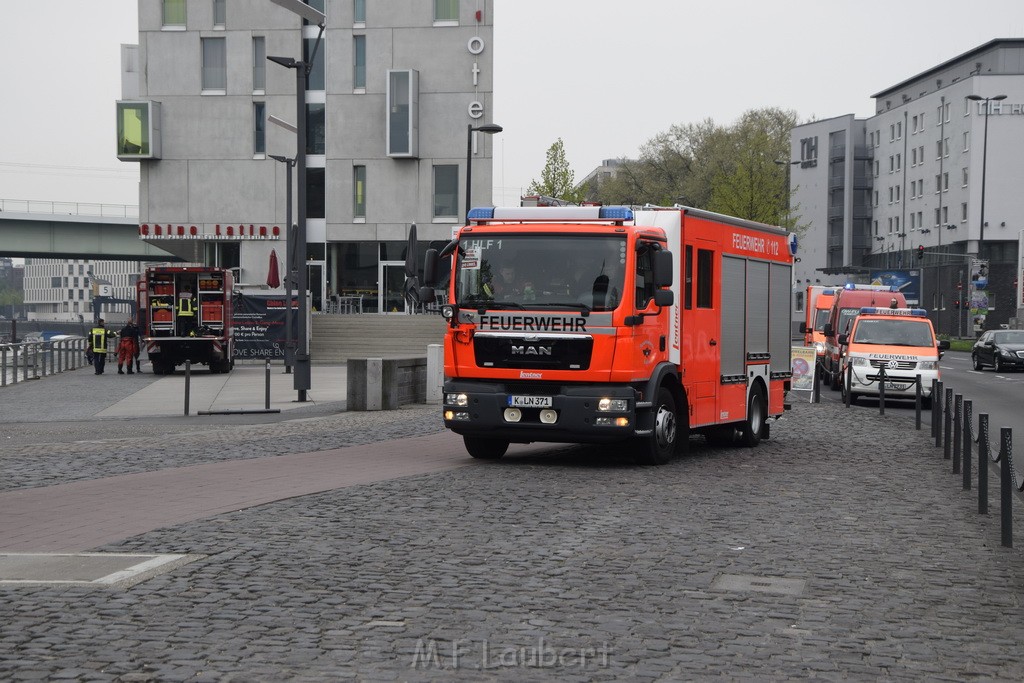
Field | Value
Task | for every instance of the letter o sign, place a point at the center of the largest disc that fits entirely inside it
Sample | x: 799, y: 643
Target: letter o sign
x: 475, y: 45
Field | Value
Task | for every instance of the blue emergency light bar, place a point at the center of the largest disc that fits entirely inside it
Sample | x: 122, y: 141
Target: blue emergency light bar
x: 915, y: 312
x: 550, y: 213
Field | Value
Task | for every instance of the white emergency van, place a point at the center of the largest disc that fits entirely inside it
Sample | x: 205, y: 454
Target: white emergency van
x: 899, y: 342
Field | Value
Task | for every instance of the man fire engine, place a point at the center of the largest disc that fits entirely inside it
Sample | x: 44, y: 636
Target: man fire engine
x: 628, y: 327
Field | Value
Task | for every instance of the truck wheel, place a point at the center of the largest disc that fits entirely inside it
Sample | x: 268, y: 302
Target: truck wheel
x: 485, y: 449
x: 750, y: 432
x: 657, y: 447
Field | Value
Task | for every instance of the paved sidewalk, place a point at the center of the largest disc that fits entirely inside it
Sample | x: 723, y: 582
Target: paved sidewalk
x: 841, y: 549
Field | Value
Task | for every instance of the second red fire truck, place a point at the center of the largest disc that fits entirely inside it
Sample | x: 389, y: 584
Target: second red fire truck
x: 598, y: 324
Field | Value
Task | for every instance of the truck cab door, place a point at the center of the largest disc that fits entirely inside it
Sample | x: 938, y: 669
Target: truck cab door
x: 650, y: 333
x: 701, y: 330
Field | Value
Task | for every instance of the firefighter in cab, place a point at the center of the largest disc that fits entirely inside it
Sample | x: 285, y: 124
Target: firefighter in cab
x: 98, y: 337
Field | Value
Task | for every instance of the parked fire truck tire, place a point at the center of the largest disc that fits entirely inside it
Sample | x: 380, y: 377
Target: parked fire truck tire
x: 658, y: 447
x: 483, y: 448
x: 753, y: 426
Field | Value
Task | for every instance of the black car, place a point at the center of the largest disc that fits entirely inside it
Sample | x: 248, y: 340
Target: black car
x: 1002, y: 349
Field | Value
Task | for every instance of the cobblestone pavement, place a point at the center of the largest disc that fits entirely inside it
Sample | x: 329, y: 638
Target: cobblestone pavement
x: 840, y: 549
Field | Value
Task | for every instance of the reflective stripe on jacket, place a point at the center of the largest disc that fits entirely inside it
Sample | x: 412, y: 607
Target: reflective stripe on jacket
x: 98, y: 340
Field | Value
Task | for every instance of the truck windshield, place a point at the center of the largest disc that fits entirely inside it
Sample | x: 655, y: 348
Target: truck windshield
x: 894, y: 333
x: 583, y: 272
x: 820, y: 318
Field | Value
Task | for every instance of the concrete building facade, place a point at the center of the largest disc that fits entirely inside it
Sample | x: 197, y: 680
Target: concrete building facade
x: 914, y: 179
x: 393, y: 90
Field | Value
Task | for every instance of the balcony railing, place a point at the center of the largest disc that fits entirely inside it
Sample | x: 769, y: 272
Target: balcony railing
x: 69, y: 208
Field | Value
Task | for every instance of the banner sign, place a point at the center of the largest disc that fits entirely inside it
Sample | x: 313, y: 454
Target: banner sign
x: 907, y: 281
x: 979, y: 302
x: 259, y: 325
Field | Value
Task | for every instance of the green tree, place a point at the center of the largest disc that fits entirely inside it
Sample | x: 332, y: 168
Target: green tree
x: 557, y: 179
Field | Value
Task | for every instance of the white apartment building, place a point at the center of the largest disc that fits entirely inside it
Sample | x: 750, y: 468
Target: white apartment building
x: 394, y: 91
x: 875, y: 191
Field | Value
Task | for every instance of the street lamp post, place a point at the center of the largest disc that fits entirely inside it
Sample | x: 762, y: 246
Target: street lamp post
x: 302, y: 376
x: 789, y: 191
x: 984, y: 161
x: 490, y: 129
x: 289, y: 259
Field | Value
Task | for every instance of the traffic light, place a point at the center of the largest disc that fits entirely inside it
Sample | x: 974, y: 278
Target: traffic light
x: 920, y: 252
x: 956, y: 303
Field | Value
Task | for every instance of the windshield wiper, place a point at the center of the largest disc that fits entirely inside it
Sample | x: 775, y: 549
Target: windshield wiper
x: 565, y: 304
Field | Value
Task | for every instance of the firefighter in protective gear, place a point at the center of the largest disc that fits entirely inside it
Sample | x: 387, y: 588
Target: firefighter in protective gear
x: 98, y: 343
x: 186, y: 314
x: 127, y: 346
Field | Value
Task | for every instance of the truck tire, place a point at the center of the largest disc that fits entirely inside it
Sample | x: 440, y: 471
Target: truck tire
x: 658, y: 447
x: 753, y: 426
x: 483, y: 448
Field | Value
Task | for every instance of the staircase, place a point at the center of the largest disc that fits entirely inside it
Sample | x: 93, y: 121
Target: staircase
x: 336, y: 338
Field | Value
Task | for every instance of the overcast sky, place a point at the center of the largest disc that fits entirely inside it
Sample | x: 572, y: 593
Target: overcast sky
x: 603, y: 75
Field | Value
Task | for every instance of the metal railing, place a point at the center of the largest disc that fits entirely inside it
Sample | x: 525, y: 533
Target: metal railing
x: 24, y: 361
x: 953, y: 431
x: 69, y: 208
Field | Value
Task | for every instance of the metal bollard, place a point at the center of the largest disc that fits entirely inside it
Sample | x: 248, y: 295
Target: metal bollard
x: 849, y: 383
x: 816, y: 390
x: 917, y: 403
x: 188, y: 382
x: 968, y: 415
x: 881, y: 390
x: 3, y: 367
x: 946, y: 423
x: 958, y: 416
x: 267, y: 400
x: 936, y: 411
x: 983, y: 456
x: 1006, y: 481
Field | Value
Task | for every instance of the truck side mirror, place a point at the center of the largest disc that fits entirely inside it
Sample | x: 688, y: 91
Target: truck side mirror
x: 803, y: 328
x: 664, y: 297
x: 829, y: 332
x: 662, y: 266
x: 943, y: 344
x: 427, y: 295
x: 843, y: 339
x: 430, y: 267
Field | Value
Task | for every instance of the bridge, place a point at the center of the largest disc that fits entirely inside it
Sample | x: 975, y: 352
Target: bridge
x: 73, y: 230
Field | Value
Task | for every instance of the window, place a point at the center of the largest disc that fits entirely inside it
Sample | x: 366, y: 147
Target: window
x: 220, y: 13
x: 402, y: 106
x: 896, y: 222
x: 945, y: 112
x: 890, y: 194
x: 899, y: 130
x: 890, y: 226
x: 897, y: 193
x: 892, y: 166
x: 446, y: 11
x: 644, y: 289
x: 912, y: 221
x: 945, y: 181
x: 259, y: 129
x: 876, y: 197
x: 913, y: 157
x: 359, y: 191
x: 316, y: 133
x: 899, y: 162
x: 945, y: 147
x: 705, y: 277
x: 359, y: 61
x: 446, y: 191
x: 938, y: 149
x: 215, y: 70
x: 878, y: 138
x: 315, y: 193
x: 920, y: 219
x: 945, y: 214
x: 967, y: 140
x: 174, y: 14
x: 315, y: 80
x: 871, y: 139
x: 938, y: 218
x: 892, y: 132
x: 259, y: 64
x: 876, y: 226
x: 963, y: 212
x: 938, y: 183
x: 964, y: 177
x: 137, y: 137
x: 914, y: 121
x: 359, y: 11
x: 877, y: 168
x: 688, y: 280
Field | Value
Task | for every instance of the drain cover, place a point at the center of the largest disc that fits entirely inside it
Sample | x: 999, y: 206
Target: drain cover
x: 99, y: 569
x: 759, y: 584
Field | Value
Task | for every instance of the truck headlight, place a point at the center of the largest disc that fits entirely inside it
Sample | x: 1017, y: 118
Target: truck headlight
x: 456, y: 399
x: 859, y: 362
x: 819, y: 348
x: 615, y: 405
x: 928, y: 365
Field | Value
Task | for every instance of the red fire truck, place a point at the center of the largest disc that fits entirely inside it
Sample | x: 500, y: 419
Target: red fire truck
x: 595, y: 324
x: 185, y: 315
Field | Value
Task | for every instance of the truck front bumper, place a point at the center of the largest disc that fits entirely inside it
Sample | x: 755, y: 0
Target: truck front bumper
x: 864, y: 382
x: 564, y: 413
